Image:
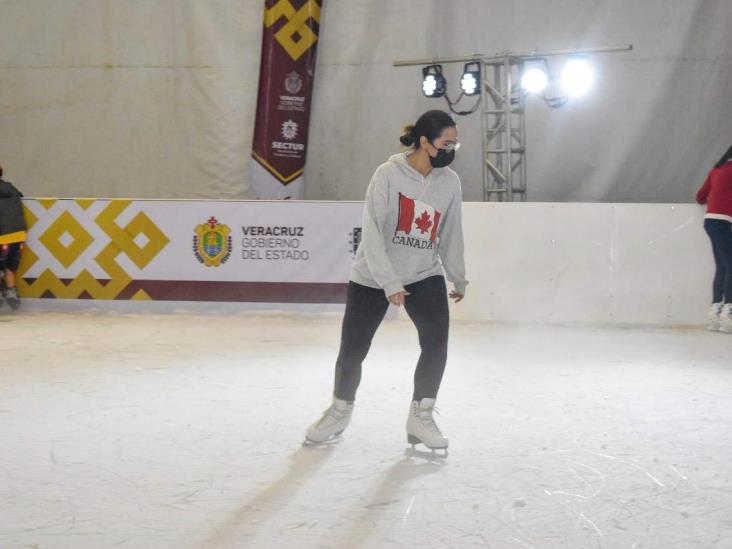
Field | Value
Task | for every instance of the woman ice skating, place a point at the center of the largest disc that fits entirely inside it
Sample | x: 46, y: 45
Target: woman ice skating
x: 412, y: 230
x: 716, y: 193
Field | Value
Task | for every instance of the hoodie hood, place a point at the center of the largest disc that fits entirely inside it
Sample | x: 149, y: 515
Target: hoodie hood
x: 401, y: 161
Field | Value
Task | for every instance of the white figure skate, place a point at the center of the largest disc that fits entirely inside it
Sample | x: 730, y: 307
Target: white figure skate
x: 713, y: 317
x: 725, y: 319
x: 421, y: 426
x: 334, y: 421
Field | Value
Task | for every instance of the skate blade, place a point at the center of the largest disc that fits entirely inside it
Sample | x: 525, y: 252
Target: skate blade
x: 430, y: 453
x: 436, y: 456
x: 333, y: 440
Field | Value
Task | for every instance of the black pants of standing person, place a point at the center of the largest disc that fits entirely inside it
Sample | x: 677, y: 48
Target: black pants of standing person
x: 720, y: 233
x: 365, y: 309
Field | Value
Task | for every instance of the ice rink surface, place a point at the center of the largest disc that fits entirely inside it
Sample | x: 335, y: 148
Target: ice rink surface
x: 185, y: 431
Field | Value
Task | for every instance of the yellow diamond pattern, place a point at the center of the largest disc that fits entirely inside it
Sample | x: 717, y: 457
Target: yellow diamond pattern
x: 30, y: 217
x: 124, y: 238
x: 47, y: 203
x: 296, y: 37
x: 121, y: 242
x: 66, y: 254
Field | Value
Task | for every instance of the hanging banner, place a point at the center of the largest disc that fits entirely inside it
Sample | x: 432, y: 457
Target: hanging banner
x: 287, y: 70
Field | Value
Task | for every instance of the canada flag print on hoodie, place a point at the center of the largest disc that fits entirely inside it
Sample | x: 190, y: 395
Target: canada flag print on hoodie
x: 412, y: 228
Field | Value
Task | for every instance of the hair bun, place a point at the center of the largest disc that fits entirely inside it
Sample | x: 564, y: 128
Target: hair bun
x: 407, y: 139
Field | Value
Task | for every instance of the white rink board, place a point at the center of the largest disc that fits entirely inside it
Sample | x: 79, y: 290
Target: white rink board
x: 526, y: 262
x: 606, y: 263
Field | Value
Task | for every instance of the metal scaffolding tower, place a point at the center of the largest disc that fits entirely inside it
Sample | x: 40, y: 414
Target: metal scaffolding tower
x: 503, y: 131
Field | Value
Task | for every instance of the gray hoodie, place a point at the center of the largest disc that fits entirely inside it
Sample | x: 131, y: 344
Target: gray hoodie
x: 412, y: 228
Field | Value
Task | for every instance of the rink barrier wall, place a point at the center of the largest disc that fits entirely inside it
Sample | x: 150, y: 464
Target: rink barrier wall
x: 189, y: 250
x: 631, y: 264
x: 586, y: 263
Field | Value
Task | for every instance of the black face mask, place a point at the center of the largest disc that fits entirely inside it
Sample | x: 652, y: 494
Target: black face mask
x: 442, y: 159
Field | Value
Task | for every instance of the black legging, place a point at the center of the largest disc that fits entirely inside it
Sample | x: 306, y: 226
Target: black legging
x: 365, y: 309
x: 720, y: 233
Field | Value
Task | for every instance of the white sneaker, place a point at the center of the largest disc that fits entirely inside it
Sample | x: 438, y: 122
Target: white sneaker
x: 334, y: 421
x: 421, y: 425
x: 725, y: 319
x: 713, y: 317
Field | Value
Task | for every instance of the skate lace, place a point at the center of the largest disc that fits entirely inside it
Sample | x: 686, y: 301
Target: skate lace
x: 332, y: 413
x: 427, y: 421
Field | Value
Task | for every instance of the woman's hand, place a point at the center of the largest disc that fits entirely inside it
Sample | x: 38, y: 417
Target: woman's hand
x: 398, y: 298
x: 457, y: 296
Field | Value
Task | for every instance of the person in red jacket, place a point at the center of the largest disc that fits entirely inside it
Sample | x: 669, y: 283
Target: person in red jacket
x: 716, y: 193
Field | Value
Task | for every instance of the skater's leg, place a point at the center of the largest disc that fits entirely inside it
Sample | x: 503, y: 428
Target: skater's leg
x: 725, y: 251
x: 12, y: 262
x: 716, y: 230
x: 365, y: 309
x: 3, y: 268
x: 427, y: 306
x: 4, y: 249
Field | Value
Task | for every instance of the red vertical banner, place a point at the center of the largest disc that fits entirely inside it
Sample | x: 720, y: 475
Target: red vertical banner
x: 286, y: 74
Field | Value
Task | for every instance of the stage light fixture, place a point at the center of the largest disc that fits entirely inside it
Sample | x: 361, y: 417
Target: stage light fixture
x: 470, y: 82
x: 433, y: 82
x: 534, y: 78
x: 577, y: 77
